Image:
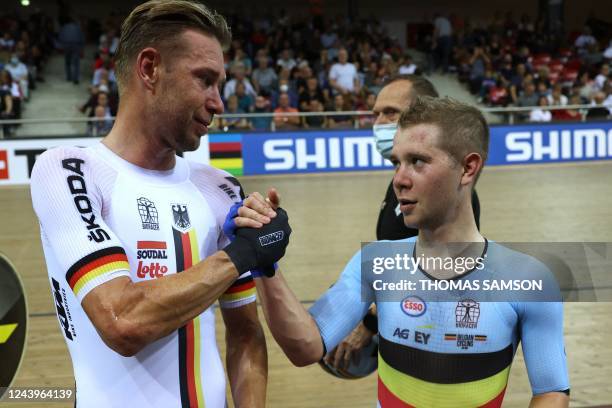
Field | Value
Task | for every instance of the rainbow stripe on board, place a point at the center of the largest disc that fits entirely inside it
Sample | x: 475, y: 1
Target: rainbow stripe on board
x: 226, y: 152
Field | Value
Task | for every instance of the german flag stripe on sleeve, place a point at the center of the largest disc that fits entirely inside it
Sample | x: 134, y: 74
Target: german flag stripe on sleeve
x: 95, y: 265
x: 241, y: 292
x: 190, y: 375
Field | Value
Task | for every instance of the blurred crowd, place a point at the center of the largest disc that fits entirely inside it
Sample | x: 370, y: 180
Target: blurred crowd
x: 285, y: 64
x: 519, y: 62
x: 25, y: 45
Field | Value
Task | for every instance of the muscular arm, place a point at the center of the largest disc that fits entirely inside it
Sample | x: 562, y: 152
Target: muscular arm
x: 246, y: 356
x: 129, y: 315
x: 292, y: 326
x: 550, y: 400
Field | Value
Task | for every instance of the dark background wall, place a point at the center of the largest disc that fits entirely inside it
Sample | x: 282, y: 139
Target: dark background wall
x: 576, y: 11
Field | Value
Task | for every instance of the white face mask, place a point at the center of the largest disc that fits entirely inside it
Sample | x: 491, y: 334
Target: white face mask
x: 383, y: 137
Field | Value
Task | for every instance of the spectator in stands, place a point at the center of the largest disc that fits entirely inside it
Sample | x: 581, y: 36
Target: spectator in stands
x: 488, y: 80
x: 264, y: 78
x: 238, y: 74
x: 538, y: 114
x: 312, y: 91
x: 241, y: 57
x: 109, y: 41
x: 7, y: 84
x: 343, y: 75
x: 406, y: 65
x: 341, y: 121
x: 262, y: 105
x: 478, y: 63
x: 542, y: 88
x: 245, y: 101
x: 556, y: 97
x: 586, y: 85
x: 285, y: 60
x: 592, y: 56
x: 103, y: 125
x: 285, y: 87
x: 599, y: 112
x: 105, y: 73
x: 7, y: 43
x: 608, y: 52
x: 442, y: 42
x: 516, y: 82
x: 99, y: 97
x: 234, y: 123
x: 569, y: 114
x: 281, y: 121
x: 584, y: 40
x: 608, y: 91
x: 328, y: 37
x: 528, y: 97
x: 6, y: 110
x: 498, y: 94
x: 71, y: 40
x: 19, y: 73
x: 367, y: 121
x: 314, y: 122
x: 602, y: 77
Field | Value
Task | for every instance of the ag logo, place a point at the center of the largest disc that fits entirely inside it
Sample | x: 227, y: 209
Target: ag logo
x: 413, y: 306
x: 13, y: 317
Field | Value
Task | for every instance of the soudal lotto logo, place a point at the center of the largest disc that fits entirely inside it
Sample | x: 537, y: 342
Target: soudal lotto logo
x: 148, y: 253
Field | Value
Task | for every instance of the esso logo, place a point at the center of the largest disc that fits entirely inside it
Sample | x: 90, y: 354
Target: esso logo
x: 413, y: 306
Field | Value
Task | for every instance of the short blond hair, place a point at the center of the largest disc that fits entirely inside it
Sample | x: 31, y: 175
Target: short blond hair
x: 159, y: 23
x: 463, y: 129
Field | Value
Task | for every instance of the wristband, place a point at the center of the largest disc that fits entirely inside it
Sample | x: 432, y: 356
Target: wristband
x: 370, y: 321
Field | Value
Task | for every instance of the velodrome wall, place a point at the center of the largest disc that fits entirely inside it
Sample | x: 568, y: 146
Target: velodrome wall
x: 245, y: 154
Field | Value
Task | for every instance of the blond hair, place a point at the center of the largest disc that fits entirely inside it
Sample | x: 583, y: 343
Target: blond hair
x: 463, y: 129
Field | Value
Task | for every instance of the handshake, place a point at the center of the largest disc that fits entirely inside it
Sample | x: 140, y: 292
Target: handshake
x: 256, y: 247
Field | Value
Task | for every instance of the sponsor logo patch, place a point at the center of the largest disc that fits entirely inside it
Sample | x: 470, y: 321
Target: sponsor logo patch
x: 151, y: 250
x: 413, y: 306
x: 148, y: 214
x: 465, y: 341
x: 467, y: 313
x: 63, y: 313
x: 180, y: 217
x: 77, y: 187
x: 271, y: 238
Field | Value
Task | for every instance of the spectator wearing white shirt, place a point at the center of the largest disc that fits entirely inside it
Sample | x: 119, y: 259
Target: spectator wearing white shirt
x: 407, y: 67
x: 19, y: 72
x: 442, y: 42
x: 238, y: 76
x: 608, y: 52
x: 286, y: 61
x: 343, y: 76
x: 556, y: 97
x: 7, y: 42
x: 584, y: 40
x: 541, y: 115
x: 602, y: 77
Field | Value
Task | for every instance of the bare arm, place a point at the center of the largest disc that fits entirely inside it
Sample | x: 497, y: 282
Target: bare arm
x: 246, y: 356
x: 550, y: 400
x: 128, y: 316
x: 292, y: 326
